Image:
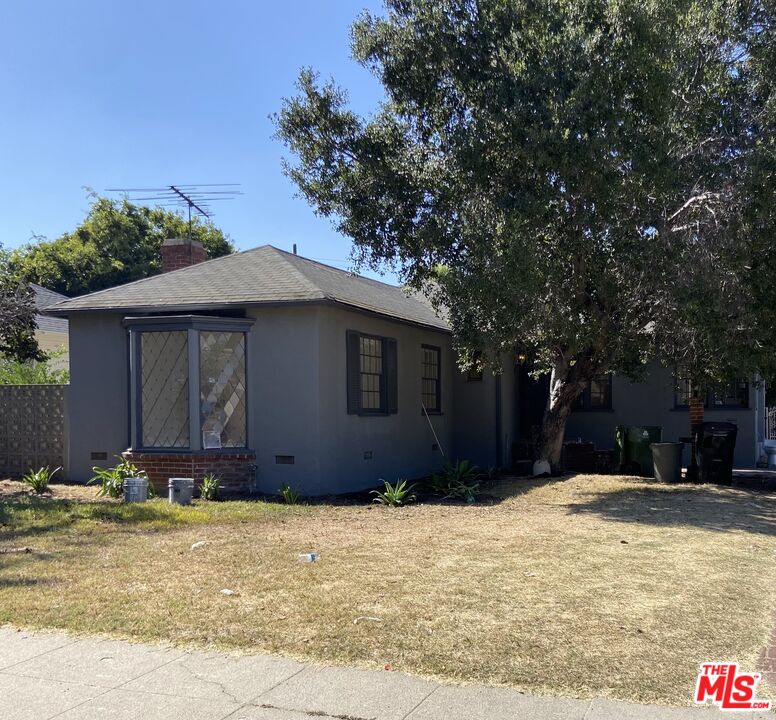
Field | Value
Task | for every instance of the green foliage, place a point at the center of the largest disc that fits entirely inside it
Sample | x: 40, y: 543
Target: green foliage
x: 289, y: 495
x: 211, y: 484
x: 459, y: 480
x: 39, y: 480
x: 17, y: 316
x: 590, y: 181
x: 116, y: 243
x: 112, y: 479
x: 33, y: 372
x: 393, y: 495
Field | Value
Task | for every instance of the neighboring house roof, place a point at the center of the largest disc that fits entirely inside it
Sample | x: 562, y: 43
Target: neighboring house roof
x: 264, y: 275
x: 43, y: 299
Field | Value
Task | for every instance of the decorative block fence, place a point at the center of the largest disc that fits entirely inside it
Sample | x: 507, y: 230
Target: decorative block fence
x: 32, y: 428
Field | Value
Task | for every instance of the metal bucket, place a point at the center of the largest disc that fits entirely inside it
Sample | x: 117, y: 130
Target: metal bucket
x: 180, y: 490
x: 135, y: 490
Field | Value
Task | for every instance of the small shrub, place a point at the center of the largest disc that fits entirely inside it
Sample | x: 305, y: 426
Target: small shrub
x: 38, y: 480
x: 112, y: 479
x: 461, y: 480
x: 399, y: 494
x: 289, y: 495
x: 210, y: 486
x: 33, y: 372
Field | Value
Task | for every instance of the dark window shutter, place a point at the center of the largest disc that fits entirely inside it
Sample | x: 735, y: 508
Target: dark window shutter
x: 391, y: 377
x: 354, y: 372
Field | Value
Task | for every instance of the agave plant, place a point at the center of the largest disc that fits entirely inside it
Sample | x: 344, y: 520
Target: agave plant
x: 399, y: 494
x: 459, y: 480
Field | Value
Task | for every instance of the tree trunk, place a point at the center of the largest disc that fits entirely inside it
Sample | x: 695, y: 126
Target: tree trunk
x: 566, y: 384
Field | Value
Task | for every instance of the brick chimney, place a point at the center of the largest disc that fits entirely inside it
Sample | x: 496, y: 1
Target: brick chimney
x: 179, y: 253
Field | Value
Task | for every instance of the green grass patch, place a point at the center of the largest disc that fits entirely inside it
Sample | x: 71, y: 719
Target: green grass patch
x: 31, y: 516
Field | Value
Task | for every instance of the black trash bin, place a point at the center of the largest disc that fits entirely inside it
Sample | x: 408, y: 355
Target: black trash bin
x: 715, y: 446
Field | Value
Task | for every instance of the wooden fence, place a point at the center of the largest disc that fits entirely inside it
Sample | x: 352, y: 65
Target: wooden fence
x: 33, y: 428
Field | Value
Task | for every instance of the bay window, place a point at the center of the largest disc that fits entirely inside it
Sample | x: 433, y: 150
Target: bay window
x: 188, y: 382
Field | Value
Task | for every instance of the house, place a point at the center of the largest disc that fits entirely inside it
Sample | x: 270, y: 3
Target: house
x: 51, y: 332
x: 663, y: 399
x: 269, y: 369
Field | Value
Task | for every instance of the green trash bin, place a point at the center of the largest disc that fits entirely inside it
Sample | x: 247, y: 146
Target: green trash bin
x: 632, y: 455
x: 667, y: 458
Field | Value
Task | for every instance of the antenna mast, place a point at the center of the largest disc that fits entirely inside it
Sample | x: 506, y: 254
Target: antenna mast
x: 193, y: 197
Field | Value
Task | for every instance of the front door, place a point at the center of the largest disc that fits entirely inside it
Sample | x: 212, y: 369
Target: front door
x: 531, y: 401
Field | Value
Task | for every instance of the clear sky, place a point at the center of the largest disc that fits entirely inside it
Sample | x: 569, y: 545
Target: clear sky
x: 148, y: 93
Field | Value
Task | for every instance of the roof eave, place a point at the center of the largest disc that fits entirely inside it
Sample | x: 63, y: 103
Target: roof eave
x: 68, y: 312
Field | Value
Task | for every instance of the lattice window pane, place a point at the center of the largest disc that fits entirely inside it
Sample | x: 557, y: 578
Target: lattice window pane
x: 600, y: 389
x: 165, y: 389
x: 731, y: 394
x: 683, y: 388
x: 430, y: 379
x: 222, y: 387
x: 371, y: 373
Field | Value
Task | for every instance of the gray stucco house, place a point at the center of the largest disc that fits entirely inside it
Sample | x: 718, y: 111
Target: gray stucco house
x: 268, y: 368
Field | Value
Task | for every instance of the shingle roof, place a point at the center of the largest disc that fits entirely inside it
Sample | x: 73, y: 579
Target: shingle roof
x: 43, y: 299
x: 264, y: 275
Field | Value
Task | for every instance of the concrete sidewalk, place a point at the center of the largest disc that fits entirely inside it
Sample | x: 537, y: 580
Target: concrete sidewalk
x: 53, y: 675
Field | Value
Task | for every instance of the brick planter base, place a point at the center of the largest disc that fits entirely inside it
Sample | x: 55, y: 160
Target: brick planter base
x: 237, y: 470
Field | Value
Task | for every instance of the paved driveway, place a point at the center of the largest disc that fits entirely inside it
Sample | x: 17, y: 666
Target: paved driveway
x: 52, y: 675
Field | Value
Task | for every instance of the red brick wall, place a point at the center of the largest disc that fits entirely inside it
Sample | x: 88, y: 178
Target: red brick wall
x: 179, y: 253
x: 696, y: 412
x: 237, y: 470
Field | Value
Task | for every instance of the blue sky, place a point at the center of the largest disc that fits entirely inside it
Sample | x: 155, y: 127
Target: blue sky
x: 149, y: 93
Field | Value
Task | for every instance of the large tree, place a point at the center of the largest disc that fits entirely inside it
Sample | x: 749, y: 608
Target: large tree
x: 586, y: 181
x: 116, y: 243
x: 17, y: 317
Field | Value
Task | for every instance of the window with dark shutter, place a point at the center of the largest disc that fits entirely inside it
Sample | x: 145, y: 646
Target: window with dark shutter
x: 372, y: 380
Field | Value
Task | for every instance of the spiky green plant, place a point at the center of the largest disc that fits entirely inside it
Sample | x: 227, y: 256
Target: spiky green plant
x: 211, y: 484
x: 393, y: 495
x: 289, y: 495
x: 39, y: 479
x: 112, y: 479
x: 458, y: 480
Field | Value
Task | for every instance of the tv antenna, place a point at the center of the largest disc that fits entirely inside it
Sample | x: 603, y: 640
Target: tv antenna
x: 192, y: 197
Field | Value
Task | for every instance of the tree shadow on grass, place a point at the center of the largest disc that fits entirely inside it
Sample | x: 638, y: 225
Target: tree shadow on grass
x: 22, y: 563
x: 722, y: 509
x: 30, y: 517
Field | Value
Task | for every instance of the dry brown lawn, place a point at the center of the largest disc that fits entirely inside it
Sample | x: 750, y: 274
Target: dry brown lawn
x: 592, y: 585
